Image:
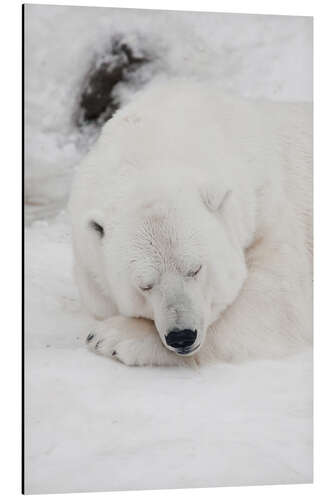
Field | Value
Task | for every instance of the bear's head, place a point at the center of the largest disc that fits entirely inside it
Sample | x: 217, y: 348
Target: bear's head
x: 175, y: 253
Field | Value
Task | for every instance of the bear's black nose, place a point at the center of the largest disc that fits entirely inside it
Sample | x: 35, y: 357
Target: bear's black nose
x: 181, y: 338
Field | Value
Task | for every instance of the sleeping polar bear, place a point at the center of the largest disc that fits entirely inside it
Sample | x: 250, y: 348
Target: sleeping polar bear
x: 192, y: 228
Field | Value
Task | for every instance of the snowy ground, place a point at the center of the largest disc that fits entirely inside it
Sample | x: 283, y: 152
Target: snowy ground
x: 91, y: 423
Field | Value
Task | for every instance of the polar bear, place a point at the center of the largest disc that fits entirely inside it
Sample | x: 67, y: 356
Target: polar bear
x: 192, y: 228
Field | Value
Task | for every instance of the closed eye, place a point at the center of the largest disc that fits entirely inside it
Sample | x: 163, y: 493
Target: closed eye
x: 146, y: 288
x: 194, y: 273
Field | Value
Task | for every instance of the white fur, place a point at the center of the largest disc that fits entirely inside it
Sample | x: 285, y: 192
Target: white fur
x: 186, y: 176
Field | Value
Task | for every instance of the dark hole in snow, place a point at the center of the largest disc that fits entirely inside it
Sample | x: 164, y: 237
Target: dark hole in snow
x: 98, y: 101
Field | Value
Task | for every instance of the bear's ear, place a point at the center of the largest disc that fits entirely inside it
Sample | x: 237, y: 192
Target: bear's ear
x: 236, y: 207
x: 97, y: 227
x: 95, y: 224
x: 214, y: 195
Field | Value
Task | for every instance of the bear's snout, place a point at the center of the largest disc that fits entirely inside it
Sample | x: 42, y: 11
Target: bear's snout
x: 181, y: 340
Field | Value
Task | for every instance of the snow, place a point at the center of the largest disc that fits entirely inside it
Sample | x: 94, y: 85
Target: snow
x: 91, y: 423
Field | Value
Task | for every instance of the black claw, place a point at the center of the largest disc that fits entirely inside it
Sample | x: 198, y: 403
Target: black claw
x: 98, y: 344
x: 90, y: 337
